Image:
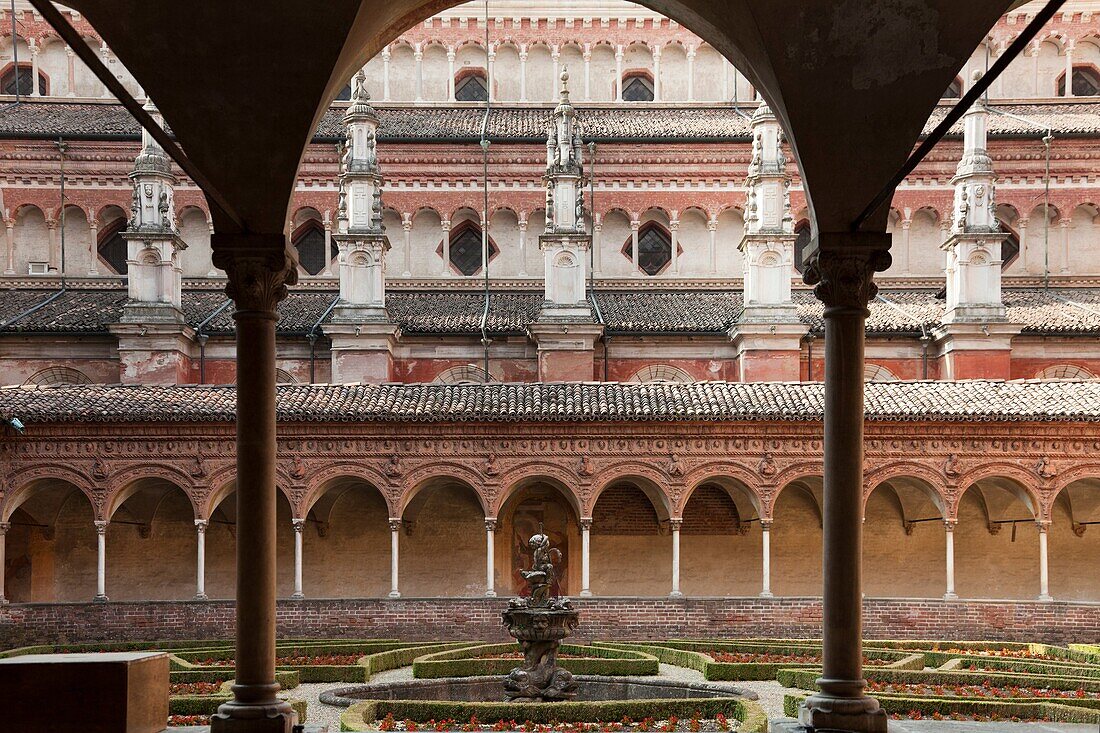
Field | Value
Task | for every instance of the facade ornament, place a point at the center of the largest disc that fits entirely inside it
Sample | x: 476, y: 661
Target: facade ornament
x: 951, y: 466
x: 767, y: 465
x: 393, y: 465
x: 1044, y: 469
x: 297, y: 468
x: 99, y: 469
x: 197, y: 469
x: 491, y: 465
x: 585, y: 468
x: 674, y: 467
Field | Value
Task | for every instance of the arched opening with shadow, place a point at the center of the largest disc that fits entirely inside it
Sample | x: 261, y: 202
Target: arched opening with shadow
x: 1074, y: 537
x: 221, y: 545
x: 50, y: 549
x: 904, y: 540
x: 997, y: 541
x: 720, y: 548
x: 346, y: 541
x: 442, y: 542
x: 796, y: 538
x: 530, y: 504
x: 631, y: 541
x: 151, y: 543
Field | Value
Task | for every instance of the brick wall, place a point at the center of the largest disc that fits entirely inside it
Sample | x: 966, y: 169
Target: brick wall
x: 605, y: 618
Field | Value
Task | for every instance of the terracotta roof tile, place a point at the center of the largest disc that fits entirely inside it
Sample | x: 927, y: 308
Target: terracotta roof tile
x: 966, y: 401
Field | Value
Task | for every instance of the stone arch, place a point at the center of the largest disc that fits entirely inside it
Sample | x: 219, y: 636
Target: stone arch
x: 464, y: 374
x: 877, y: 373
x: 331, y: 476
x: 661, y: 373
x: 1067, y: 372
x: 647, y: 479
x: 532, y: 472
x: 58, y: 375
x: 1013, y: 478
x: 29, y: 481
x: 133, y: 479
x: 735, y: 480
x: 436, y: 474
x: 1074, y: 535
x: 904, y: 543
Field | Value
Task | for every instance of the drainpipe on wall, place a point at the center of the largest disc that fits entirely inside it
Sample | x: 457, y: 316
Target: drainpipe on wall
x: 204, y: 337
x: 311, y: 334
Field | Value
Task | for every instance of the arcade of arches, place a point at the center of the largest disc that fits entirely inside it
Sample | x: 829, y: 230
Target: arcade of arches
x: 675, y: 522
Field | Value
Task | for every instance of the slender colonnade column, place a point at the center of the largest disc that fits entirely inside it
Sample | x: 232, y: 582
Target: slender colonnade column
x: 395, y: 534
x: 9, y: 226
x: 101, y: 561
x: 386, y: 74
x: 200, y: 559
x: 950, y: 594
x: 445, y: 226
x: 490, y: 559
x: 586, y: 557
x: 634, y: 226
x: 674, y: 525
x: 842, y: 272
x: 406, y: 226
x: 619, y: 73
x: 1044, y: 570
x: 766, y: 555
x: 451, y: 74
x: 259, y: 270
x: 299, y: 527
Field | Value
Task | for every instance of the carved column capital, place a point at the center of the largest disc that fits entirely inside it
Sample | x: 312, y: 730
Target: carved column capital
x: 586, y: 524
x: 298, y: 524
x: 201, y: 525
x: 949, y: 524
x: 259, y: 268
x: 491, y: 524
x: 766, y: 525
x: 674, y: 524
x: 842, y: 269
x: 4, y: 527
x: 101, y: 526
x: 395, y: 525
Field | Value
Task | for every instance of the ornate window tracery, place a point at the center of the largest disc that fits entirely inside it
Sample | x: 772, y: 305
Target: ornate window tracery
x: 465, y: 248
x: 309, y: 240
x: 472, y: 87
x: 112, y: 248
x: 637, y: 87
x: 1085, y: 82
x: 654, y: 248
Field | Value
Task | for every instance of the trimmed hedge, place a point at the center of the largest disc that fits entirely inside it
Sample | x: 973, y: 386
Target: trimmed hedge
x: 208, y: 705
x: 287, y: 679
x: 403, y: 657
x: 591, y: 660
x: 361, y: 716
x: 928, y: 707
x: 804, y: 679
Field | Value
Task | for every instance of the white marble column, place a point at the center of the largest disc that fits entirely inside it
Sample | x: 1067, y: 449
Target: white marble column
x: 93, y: 248
x: 674, y: 525
x: 587, y: 72
x: 674, y: 230
x: 903, y: 255
x: 766, y: 555
x: 523, y: 73
x: 1025, y: 255
x: 597, y: 254
x: 406, y: 226
x: 9, y: 267
x: 451, y: 74
x: 586, y: 557
x: 4, y: 527
x: 725, y: 80
x: 36, y: 90
x: 101, y: 561
x: 490, y: 75
x: 1068, y: 91
x: 200, y: 559
x: 385, y: 74
x: 418, y: 57
x: 299, y: 527
x: 657, y: 75
x: 445, y: 226
x: 1064, y: 226
x: 395, y: 531
x: 55, y: 247
x: 691, y: 74
x: 555, y: 58
x: 522, y: 247
x: 619, y: 73
x: 712, y: 228
x: 634, y: 226
x: 1044, y: 572
x: 949, y: 527
x: 490, y: 558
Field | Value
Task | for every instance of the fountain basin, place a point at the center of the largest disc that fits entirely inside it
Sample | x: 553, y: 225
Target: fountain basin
x: 481, y: 689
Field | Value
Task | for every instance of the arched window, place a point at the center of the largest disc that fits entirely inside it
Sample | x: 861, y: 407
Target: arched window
x: 1066, y: 372
x: 954, y: 89
x: 25, y: 82
x: 112, y: 248
x: 1010, y: 247
x: 345, y: 94
x: 309, y: 240
x: 662, y: 373
x: 465, y: 374
x: 876, y: 373
x: 465, y: 247
x: 58, y: 375
x: 282, y: 376
x: 1086, y: 82
x: 654, y: 248
x: 471, y: 86
x: 637, y: 87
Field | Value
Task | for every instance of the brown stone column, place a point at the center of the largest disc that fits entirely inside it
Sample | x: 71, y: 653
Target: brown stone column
x: 842, y: 273
x: 259, y: 271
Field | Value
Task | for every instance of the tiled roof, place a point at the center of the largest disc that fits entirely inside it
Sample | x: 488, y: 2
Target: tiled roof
x: 523, y: 123
x: 1056, y: 311
x: 577, y: 401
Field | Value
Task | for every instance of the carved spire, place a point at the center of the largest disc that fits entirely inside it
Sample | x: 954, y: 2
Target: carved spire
x: 564, y: 177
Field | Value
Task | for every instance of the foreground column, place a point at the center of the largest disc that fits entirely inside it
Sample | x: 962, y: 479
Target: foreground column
x: 299, y: 527
x: 4, y: 527
x: 101, y: 562
x: 259, y: 269
x: 950, y: 594
x: 490, y: 547
x: 395, y: 529
x: 200, y: 560
x: 586, y: 554
x: 842, y: 272
x: 766, y: 554
x: 674, y: 524
x: 1044, y: 571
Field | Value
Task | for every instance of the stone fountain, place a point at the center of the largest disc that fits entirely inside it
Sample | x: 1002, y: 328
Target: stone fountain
x: 539, y: 621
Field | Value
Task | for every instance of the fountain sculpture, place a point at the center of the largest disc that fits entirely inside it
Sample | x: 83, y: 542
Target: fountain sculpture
x: 539, y: 622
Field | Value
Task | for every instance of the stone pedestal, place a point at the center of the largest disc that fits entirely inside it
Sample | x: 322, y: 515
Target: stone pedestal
x: 768, y: 343
x: 125, y: 692
x: 156, y: 351
x: 362, y: 352
x: 975, y: 350
x: 566, y: 350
